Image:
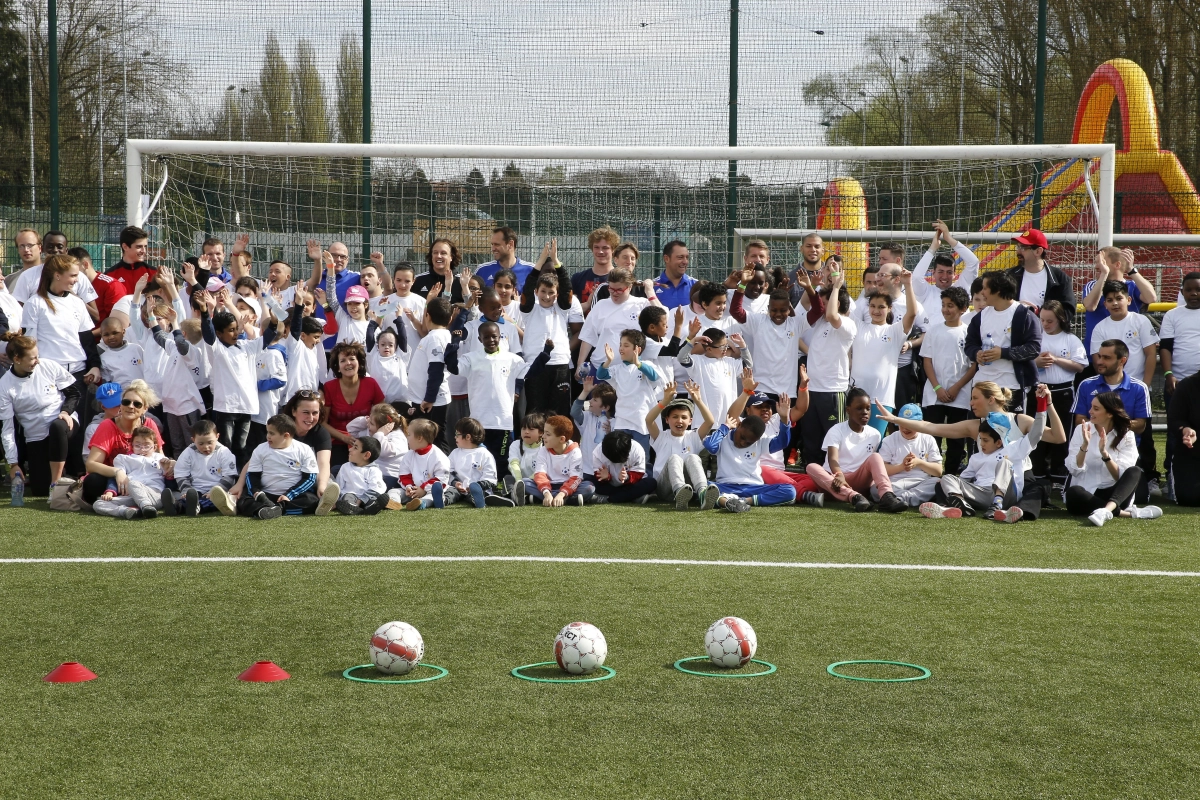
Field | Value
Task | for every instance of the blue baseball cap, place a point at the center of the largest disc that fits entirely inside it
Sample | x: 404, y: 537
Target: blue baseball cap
x: 109, y: 394
x: 759, y: 399
x: 910, y: 411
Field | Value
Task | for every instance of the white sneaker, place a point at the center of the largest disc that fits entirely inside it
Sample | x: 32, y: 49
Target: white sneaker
x: 1099, y: 517
x: 1154, y: 489
x: 1146, y: 512
x: 328, y: 500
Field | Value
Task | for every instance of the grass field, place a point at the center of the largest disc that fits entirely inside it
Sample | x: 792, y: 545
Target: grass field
x: 1044, y: 685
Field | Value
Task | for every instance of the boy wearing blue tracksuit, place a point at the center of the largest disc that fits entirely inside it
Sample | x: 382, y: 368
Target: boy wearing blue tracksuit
x: 739, y: 447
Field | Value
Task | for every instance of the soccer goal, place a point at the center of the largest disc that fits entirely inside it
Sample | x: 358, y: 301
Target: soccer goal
x: 398, y: 198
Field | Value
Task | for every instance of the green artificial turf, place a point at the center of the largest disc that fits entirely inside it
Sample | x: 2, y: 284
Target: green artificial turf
x: 1043, y: 685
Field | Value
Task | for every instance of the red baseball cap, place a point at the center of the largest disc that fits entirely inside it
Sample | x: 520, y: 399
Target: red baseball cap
x: 1033, y: 238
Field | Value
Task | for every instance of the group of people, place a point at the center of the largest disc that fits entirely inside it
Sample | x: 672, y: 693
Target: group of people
x: 142, y: 390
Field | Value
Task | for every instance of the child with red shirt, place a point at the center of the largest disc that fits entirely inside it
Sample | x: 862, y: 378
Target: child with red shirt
x: 557, y: 469
x: 424, y: 469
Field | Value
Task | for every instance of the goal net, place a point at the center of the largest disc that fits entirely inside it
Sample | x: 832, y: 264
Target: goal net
x: 858, y: 198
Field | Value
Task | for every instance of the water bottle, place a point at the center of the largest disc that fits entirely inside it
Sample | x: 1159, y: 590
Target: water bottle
x: 18, y: 491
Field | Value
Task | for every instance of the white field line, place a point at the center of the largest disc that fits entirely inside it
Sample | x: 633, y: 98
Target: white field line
x: 670, y: 562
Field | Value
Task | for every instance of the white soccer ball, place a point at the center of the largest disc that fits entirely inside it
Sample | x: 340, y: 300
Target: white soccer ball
x: 580, y: 648
x: 396, y: 648
x: 730, y: 642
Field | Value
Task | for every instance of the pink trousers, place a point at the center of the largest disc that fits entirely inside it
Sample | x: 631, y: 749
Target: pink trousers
x: 872, y: 471
x: 802, y: 482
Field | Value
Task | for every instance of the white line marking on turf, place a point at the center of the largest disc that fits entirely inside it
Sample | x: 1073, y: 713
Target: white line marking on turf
x: 673, y: 562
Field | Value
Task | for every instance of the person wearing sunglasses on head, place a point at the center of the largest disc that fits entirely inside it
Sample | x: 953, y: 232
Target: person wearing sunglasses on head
x: 114, y: 437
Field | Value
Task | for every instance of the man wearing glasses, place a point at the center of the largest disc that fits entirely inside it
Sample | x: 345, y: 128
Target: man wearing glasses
x: 339, y: 255
x: 1038, y: 282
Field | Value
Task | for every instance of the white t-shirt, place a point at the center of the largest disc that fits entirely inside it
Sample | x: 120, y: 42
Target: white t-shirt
x: 1033, y: 288
x: 146, y: 470
x: 206, y: 471
x: 1183, y: 325
x: 559, y: 467
x: 423, y: 468
x: 180, y: 392
x: 770, y: 459
x: 431, y: 349
x: 548, y: 323
x: 1135, y: 331
x: 491, y: 386
x: 57, y: 332
x: 471, y: 466
x: 304, y: 367
x: 829, y: 355
x: 356, y: 480
x: 741, y: 465
x: 27, y: 286
x: 1063, y: 344
x: 776, y: 351
x: 414, y: 303
x: 233, y: 377
x: 946, y: 348
x: 895, y: 448
x: 635, y: 463
x: 636, y: 392
x: 390, y: 373
x: 876, y: 350
x: 122, y: 365
x: 350, y: 329
x: 995, y: 330
x: 605, y: 323
x: 11, y: 309
x: 668, y: 444
x: 270, y: 365
x: 35, y: 401
x: 853, y: 449
x: 281, y: 469
x: 719, y: 383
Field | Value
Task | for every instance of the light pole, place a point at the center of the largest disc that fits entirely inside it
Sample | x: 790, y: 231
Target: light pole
x: 100, y: 125
x: 905, y: 134
x: 32, y: 160
x: 287, y: 130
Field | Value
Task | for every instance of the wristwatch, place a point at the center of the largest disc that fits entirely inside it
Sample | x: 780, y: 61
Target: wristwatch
x: 1106, y: 459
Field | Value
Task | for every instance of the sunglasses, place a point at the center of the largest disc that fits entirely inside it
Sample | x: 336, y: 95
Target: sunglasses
x: 308, y: 394
x: 134, y: 403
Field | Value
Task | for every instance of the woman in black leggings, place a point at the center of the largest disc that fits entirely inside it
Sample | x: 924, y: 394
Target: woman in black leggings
x: 39, y: 397
x: 1102, y: 461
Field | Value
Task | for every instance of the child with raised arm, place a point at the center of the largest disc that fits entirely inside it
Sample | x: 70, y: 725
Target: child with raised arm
x: 386, y: 359
x: 472, y: 468
x: 136, y: 489
x: 305, y: 355
x: 739, y: 447
x: 120, y: 361
x: 427, y: 378
x: 182, y: 401
x: 852, y: 462
x: 424, y: 469
x: 557, y: 469
x: 677, y: 466
x: 635, y: 382
x: 875, y: 353
x: 661, y: 352
x: 994, y: 477
x: 948, y: 372
x: 547, y: 314
x: 593, y: 413
x: 204, y: 473
x: 360, y: 481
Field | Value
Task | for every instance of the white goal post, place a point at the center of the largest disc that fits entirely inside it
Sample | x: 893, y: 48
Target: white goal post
x: 136, y: 149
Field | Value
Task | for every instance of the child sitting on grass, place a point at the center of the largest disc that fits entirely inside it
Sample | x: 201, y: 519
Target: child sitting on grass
x: 386, y: 425
x: 852, y: 463
x: 557, y: 469
x: 472, y: 468
x: 739, y: 447
x: 990, y: 482
x: 677, y: 466
x: 206, y: 469
x: 281, y: 475
x: 593, y: 412
x: 522, y: 454
x: 359, y: 480
x: 913, y: 461
x: 621, y: 471
x: 424, y: 469
x: 137, y: 487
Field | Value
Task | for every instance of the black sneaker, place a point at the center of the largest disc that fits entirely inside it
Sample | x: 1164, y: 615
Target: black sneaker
x: 169, y: 500
x: 148, y: 512
x: 498, y: 501
x: 860, y: 503
x: 599, y: 499
x: 891, y: 504
x: 954, y: 501
x: 518, y: 494
x: 270, y: 512
x: 191, y: 503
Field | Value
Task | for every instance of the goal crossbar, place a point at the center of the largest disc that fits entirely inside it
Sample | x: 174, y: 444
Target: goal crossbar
x: 1104, y: 153
x: 966, y: 237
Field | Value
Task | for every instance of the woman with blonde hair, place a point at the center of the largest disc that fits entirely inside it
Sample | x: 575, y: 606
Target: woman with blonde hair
x: 114, y: 437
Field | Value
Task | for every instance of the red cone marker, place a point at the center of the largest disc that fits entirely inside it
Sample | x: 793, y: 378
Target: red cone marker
x: 264, y: 672
x: 70, y: 672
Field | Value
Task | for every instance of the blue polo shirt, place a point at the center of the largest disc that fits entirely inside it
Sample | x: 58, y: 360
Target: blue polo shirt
x: 673, y: 296
x: 522, y: 269
x: 1134, y: 394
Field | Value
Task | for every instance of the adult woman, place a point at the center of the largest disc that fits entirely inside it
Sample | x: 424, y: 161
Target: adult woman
x: 351, y: 394
x: 41, y: 396
x: 443, y: 258
x: 306, y: 409
x: 114, y: 437
x: 1102, y: 460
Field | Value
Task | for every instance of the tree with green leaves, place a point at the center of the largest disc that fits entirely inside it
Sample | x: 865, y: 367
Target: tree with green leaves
x: 350, y: 90
x: 276, y: 113
x: 308, y: 96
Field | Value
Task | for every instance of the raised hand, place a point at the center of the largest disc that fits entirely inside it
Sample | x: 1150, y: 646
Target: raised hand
x: 748, y: 382
x: 188, y: 270
x: 731, y: 422
x: 314, y: 249
x: 784, y: 404
x: 669, y: 392
x: 554, y: 250
x: 544, y: 259
x: 693, y: 327
x: 589, y: 383
x: 608, y: 352
x: 435, y: 291
x: 1126, y: 260
x: 1101, y: 440
x: 240, y: 244
x: 737, y: 339
x: 693, y: 389
x: 319, y: 296
x: 1087, y: 435
x: 678, y: 318
x: 803, y: 376
x: 384, y: 430
x: 377, y: 260
x: 140, y: 286
x: 1102, y: 268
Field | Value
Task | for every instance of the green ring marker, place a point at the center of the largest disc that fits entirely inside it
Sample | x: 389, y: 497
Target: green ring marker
x: 925, y: 673
x: 442, y: 672
x: 770, y: 669
x: 516, y: 673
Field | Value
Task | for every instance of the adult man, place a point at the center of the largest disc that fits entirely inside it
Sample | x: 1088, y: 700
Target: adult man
x: 339, y: 256
x: 1113, y: 264
x: 1037, y: 282
x: 212, y: 262
x: 1005, y: 339
x: 29, y: 251
x: 135, y: 244
x: 602, y: 242
x: 54, y: 243
x: 943, y: 267
x: 1111, y: 376
x: 812, y: 257
x: 504, y: 256
x: 674, y: 285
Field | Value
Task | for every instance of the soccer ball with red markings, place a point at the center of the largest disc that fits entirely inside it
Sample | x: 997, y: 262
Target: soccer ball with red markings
x: 730, y: 642
x: 396, y: 648
x: 580, y: 648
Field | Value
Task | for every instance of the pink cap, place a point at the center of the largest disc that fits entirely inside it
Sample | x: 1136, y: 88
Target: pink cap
x: 357, y: 294
x: 214, y: 285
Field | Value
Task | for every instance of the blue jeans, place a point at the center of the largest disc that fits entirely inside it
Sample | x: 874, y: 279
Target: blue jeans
x: 584, y: 490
